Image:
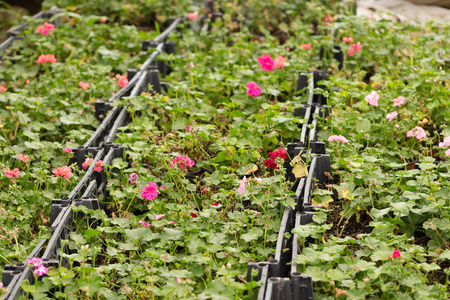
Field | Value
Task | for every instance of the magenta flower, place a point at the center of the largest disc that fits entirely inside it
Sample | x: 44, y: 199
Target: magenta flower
x: 391, y: 116
x: 35, y: 262
x: 338, y: 138
x: 134, y: 178
x: 253, y: 89
x: 399, y: 101
x: 159, y: 217
x: 172, y: 222
x: 418, y: 132
x: 83, y: 85
x: 396, y: 254
x: 445, y: 143
x: 150, y: 191
x: 188, y: 128
x: 41, y: 270
x: 372, y: 98
x: 182, y: 162
x: 145, y: 224
x: 266, y: 62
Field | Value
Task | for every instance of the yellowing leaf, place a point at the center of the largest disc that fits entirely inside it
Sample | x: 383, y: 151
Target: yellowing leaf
x: 300, y: 170
x: 252, y: 169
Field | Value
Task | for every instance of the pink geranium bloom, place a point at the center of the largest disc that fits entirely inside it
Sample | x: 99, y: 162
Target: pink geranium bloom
x: 306, y: 46
x: 98, y: 166
x: 192, y: 16
x: 35, y: 262
x: 63, y: 171
x: 162, y: 187
x: 347, y: 39
x: 242, y: 183
x: 266, y: 62
x: 11, y: 173
x: 2, y: 89
x: 399, y: 101
x: 188, y: 128
x: 23, y: 158
x: 279, y: 62
x: 445, y: 143
x: 27, y: 81
x: 41, y: 270
x: 396, y: 254
x: 103, y: 19
x: 354, y: 48
x: 253, y: 89
x: 338, y: 138
x: 145, y: 224
x: 46, y: 28
x: 391, y: 116
x: 43, y: 58
x: 83, y: 85
x: 87, y: 162
x: 134, y: 178
x: 447, y: 152
x: 150, y: 191
x: 122, y: 81
x: 182, y: 162
x: 372, y: 98
x: 67, y: 150
x: 159, y: 217
x: 418, y: 132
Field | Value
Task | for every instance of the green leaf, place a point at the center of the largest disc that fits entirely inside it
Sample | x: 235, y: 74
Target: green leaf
x: 90, y: 233
x: 363, y: 126
x: 171, y: 234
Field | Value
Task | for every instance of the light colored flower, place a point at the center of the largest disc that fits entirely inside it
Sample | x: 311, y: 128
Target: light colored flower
x: 372, y: 98
x: 159, y: 217
x: 338, y: 138
x: 399, y: 101
x: 145, y: 224
x: 87, y: 162
x: 279, y: 62
x: 134, y: 178
x: 11, y: 173
x: 242, y: 183
x: 2, y: 89
x: 192, y: 16
x: 23, y: 158
x: 41, y: 271
x: 122, y: 81
x: 418, y: 132
x: 306, y: 46
x: 83, y: 85
x: 347, y: 39
x: 43, y: 58
x: 103, y: 19
x: 445, y: 142
x: 391, y: 116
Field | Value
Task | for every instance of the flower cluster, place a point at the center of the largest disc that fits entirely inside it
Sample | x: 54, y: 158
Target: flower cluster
x: 43, y: 58
x: 83, y: 85
x: 182, y: 162
x: 268, y: 64
x: 271, y: 161
x: 67, y: 150
x: 122, y: 81
x: 64, y: 171
x: 88, y: 161
x: 372, y: 98
x: 24, y: 158
x: 306, y: 46
x: 143, y: 223
x: 338, y: 138
x: 244, y: 182
x: 253, y: 89
x: 45, y: 28
x: 2, y: 89
x: 11, y: 173
x: 418, y: 132
x: 347, y: 39
x: 38, y: 263
x: 446, y: 143
x: 391, y: 116
x: 354, y: 48
x: 399, y: 101
x: 150, y: 191
x: 134, y: 178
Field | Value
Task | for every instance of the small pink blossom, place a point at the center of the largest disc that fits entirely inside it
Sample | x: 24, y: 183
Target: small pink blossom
x: 279, y: 62
x: 24, y: 158
x: 418, y: 132
x: 253, y: 89
x: 2, y: 89
x: 103, y: 19
x: 347, y: 39
x: 338, y: 138
x: 87, y: 162
x: 354, y: 48
x: 41, y: 271
x: 67, y: 150
x: 188, y: 128
x: 182, y: 162
x: 192, y: 16
x: 396, y: 126
x: 266, y: 62
x: 306, y: 46
x: 27, y: 81
x: 396, y: 254
x: 122, y: 81
x: 150, y: 191
x: 256, y: 213
x: 328, y: 18
x: 162, y: 187
x: 172, y: 222
x: 45, y: 28
x: 83, y: 85
x: 98, y: 166
x: 159, y: 217
x: 134, y: 178
x: 205, y: 189
x: 372, y: 98
x: 143, y: 223
x: 391, y: 116
x: 242, y: 183
x: 445, y: 142
x: 63, y: 171
x: 179, y: 280
x: 11, y: 173
x: 447, y: 152
x: 35, y: 262
x: 399, y: 101
x: 43, y: 58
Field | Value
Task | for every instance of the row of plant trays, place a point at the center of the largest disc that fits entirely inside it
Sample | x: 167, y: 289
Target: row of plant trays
x: 92, y: 185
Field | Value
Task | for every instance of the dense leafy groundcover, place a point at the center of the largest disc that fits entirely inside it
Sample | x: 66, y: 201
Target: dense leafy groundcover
x: 201, y: 196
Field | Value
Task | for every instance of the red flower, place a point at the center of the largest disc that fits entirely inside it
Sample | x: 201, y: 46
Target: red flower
x: 193, y: 215
x: 271, y: 163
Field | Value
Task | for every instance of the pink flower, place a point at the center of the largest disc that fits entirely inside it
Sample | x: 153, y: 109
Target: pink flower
x: 241, y: 189
x: 134, y: 178
x: 41, y: 271
x: 11, y: 173
x: 445, y: 143
x: 266, y: 62
x: 45, y: 29
x: 347, y: 39
x: 418, y: 132
x: 253, y: 89
x: 188, y: 128
x: 98, y: 166
x: 396, y: 126
x: 338, y: 138
x: 279, y: 62
x: 2, y: 89
x: 27, y: 81
x: 447, y: 152
x: 192, y: 16
x: 122, y: 81
x: 182, y: 162
x: 103, y: 19
x: 354, y: 48
x: 256, y: 213
x: 306, y: 46
x: 399, y: 101
x: 145, y: 224
x: 391, y: 116
x: 372, y: 98
x: 63, y: 171
x: 163, y: 187
x: 205, y: 189
x: 396, y: 254
x: 35, y: 262
x: 159, y: 217
x: 83, y: 85
x: 179, y: 280
x: 150, y: 191
x: 67, y: 150
x: 328, y: 18
x: 193, y: 215
x: 87, y: 162
x: 23, y: 158
x: 46, y: 58
x: 172, y: 222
